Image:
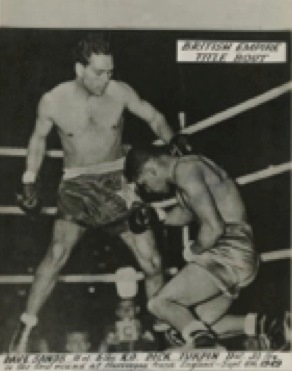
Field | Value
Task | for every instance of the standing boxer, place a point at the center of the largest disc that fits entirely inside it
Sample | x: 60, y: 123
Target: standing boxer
x: 88, y: 115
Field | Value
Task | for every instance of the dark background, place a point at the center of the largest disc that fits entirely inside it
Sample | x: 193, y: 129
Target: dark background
x: 34, y: 61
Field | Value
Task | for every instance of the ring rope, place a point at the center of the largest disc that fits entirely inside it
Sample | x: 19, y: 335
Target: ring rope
x: 237, y: 109
x: 22, y: 152
x: 81, y: 278
x: 113, y: 278
x: 200, y: 125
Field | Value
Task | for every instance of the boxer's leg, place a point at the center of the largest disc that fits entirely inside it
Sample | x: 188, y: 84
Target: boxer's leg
x: 189, y: 287
x: 144, y: 249
x: 193, y: 286
x: 224, y: 325
x: 65, y: 236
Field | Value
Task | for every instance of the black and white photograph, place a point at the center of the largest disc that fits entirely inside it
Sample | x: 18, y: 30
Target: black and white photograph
x: 145, y: 190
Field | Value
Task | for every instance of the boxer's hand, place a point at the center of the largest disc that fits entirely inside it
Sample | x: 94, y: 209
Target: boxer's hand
x: 142, y: 217
x: 180, y: 145
x: 29, y: 199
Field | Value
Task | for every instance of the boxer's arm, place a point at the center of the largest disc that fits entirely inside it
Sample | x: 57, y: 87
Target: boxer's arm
x: 201, y: 201
x: 148, y: 113
x: 178, y: 216
x: 37, y: 143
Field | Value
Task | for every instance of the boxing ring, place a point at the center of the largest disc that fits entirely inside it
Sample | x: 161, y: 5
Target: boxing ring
x: 127, y: 276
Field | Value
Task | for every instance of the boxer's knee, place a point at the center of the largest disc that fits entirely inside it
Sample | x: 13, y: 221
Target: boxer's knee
x: 150, y: 254
x: 54, y: 260
x: 156, y: 305
x: 152, y: 305
x: 152, y: 265
x: 156, y: 264
x: 144, y: 248
x: 59, y: 253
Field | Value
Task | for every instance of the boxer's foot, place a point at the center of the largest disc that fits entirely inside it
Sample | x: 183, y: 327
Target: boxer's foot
x: 274, y: 331
x: 19, y: 342
x: 198, y: 340
x: 173, y: 338
x: 203, y: 340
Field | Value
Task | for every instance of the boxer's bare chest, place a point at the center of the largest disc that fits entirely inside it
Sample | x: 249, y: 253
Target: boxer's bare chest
x: 77, y: 117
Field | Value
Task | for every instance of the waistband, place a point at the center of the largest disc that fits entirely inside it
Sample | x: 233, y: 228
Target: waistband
x: 231, y: 226
x: 98, y: 169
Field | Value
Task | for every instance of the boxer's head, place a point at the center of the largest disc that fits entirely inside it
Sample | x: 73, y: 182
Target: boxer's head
x: 94, y: 63
x: 148, y: 168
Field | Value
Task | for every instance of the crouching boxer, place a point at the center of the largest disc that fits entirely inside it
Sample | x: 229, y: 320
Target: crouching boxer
x: 88, y: 115
x: 221, y: 260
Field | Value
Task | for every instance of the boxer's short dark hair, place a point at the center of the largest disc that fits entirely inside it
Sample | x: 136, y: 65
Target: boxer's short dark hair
x: 137, y: 157
x: 93, y: 43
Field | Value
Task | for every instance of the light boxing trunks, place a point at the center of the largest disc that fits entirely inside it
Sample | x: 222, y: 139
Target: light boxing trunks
x: 232, y: 263
x: 96, y: 196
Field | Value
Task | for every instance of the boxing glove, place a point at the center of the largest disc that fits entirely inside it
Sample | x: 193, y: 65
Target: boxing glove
x: 180, y: 145
x: 145, y: 195
x: 144, y: 216
x: 28, y: 199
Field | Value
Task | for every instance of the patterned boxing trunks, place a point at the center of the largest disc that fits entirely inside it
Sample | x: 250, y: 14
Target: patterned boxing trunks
x: 94, y: 200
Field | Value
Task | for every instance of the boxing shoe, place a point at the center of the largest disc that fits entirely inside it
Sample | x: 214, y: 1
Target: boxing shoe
x: 201, y: 339
x: 274, y: 331
x: 19, y: 342
x: 20, y: 339
x: 173, y: 338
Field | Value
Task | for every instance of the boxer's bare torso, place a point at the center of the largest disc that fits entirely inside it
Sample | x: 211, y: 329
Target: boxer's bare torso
x: 201, y: 182
x: 88, y: 114
x: 89, y: 126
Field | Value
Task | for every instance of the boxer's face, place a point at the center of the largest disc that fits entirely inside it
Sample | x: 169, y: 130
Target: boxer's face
x: 96, y: 75
x: 152, y: 178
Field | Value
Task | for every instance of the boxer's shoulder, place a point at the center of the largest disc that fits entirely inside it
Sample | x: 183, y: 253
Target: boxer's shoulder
x: 186, y: 170
x: 62, y: 90
x: 51, y: 100
x: 120, y: 90
x: 115, y: 88
x: 46, y: 105
x: 54, y: 95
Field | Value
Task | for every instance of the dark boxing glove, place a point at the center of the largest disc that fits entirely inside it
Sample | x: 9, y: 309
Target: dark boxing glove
x: 144, y: 216
x: 180, y: 145
x: 29, y: 198
x: 147, y: 196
